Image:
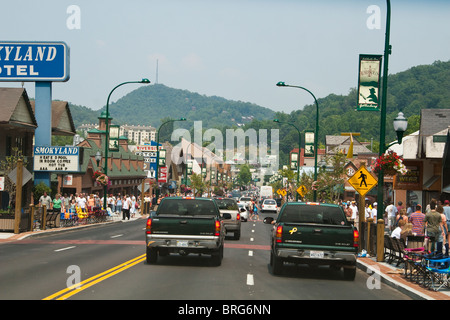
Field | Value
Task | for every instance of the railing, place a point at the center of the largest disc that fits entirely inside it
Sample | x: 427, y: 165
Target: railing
x: 44, y: 218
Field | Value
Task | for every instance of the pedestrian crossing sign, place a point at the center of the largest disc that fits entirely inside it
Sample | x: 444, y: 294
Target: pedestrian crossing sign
x: 302, y: 190
x: 362, y: 181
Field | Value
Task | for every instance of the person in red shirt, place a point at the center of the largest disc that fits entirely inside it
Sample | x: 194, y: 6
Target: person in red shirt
x: 417, y: 219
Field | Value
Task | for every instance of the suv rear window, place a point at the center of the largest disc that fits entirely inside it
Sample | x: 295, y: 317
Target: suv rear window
x: 313, y: 214
x: 183, y: 207
x: 269, y: 202
x: 245, y: 199
x: 227, y: 204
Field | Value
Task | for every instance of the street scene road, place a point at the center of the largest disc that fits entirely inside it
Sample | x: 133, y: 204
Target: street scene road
x: 111, y: 263
x: 138, y: 146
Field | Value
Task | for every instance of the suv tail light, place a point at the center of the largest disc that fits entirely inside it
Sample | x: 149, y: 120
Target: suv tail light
x: 238, y: 216
x: 278, y: 234
x: 355, y: 238
x: 217, y: 233
x: 148, y: 227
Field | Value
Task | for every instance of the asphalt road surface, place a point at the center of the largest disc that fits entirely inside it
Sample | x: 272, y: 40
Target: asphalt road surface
x: 107, y: 262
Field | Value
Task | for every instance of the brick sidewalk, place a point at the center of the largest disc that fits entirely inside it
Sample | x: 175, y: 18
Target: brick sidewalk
x: 395, y: 277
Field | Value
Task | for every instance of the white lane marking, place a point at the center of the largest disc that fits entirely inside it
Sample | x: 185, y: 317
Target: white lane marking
x: 250, y: 281
x: 118, y: 235
x: 250, y: 253
x: 251, y: 239
x: 62, y: 249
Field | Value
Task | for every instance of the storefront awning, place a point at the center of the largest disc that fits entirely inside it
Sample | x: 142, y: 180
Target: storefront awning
x: 430, y: 182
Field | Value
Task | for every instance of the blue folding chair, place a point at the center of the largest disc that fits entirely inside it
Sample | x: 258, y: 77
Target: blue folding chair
x: 438, y: 272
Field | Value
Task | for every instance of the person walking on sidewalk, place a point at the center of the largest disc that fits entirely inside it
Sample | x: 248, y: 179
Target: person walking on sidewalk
x: 417, y: 219
x: 432, y: 223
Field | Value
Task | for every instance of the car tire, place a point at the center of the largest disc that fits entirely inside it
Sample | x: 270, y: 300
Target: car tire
x: 217, y: 256
x: 349, y: 274
x: 152, y: 255
x: 276, y: 264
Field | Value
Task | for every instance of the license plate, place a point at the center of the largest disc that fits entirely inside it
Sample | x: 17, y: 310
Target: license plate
x: 316, y: 254
x: 182, y: 243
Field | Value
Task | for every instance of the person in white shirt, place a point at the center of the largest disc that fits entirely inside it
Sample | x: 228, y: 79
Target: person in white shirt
x: 126, y: 207
x: 391, y: 211
x: 81, y: 202
x: 368, y: 211
x: 374, y: 212
x: 355, y: 214
x: 398, y: 231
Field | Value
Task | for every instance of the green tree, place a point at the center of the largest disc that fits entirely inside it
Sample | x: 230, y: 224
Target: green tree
x: 244, y: 176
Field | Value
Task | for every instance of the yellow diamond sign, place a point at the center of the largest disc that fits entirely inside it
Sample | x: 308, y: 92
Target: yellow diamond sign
x: 362, y: 181
x: 302, y: 190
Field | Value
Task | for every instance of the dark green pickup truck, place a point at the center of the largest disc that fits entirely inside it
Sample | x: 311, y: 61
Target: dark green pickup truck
x: 186, y: 225
x: 313, y: 234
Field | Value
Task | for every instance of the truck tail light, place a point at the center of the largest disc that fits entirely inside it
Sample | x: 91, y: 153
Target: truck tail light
x: 148, y: 227
x: 278, y: 234
x: 355, y: 238
x: 217, y: 233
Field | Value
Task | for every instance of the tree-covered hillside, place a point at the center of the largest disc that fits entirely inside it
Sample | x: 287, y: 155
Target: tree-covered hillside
x: 148, y: 105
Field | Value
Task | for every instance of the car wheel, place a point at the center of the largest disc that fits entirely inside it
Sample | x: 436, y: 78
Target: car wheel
x: 276, y: 263
x: 216, y: 257
x: 349, y: 273
x: 152, y: 255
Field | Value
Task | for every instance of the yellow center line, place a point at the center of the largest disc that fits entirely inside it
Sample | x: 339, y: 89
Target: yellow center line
x: 74, y: 289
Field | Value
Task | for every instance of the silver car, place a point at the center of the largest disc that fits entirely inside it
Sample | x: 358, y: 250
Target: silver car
x: 269, y: 205
x: 229, y: 205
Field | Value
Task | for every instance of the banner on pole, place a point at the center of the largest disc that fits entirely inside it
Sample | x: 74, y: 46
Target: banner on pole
x: 369, y: 83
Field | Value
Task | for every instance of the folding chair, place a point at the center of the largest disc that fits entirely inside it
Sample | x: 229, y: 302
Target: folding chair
x: 438, y: 273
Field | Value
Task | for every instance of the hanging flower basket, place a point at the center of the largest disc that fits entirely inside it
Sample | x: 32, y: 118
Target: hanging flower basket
x: 103, y: 179
x: 97, y: 174
x: 391, y: 164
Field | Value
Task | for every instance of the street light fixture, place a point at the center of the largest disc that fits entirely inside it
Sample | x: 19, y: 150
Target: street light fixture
x: 400, y: 126
x: 98, y: 158
x: 316, y: 133
x: 105, y: 168
x: 299, y: 146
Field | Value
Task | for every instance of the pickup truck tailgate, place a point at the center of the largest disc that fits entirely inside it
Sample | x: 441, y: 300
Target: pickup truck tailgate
x: 183, y: 225
x: 317, y: 236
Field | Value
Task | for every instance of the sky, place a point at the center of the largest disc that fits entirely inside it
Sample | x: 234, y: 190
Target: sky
x: 236, y: 49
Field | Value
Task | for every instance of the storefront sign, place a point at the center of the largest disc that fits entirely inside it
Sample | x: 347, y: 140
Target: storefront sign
x: 62, y: 159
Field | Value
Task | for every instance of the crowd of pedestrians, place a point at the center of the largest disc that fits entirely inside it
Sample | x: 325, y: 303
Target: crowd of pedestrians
x: 125, y: 205
x: 433, y: 221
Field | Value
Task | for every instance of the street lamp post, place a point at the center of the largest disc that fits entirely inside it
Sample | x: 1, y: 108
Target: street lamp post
x: 298, y: 159
x: 157, y: 152
x: 105, y: 168
x: 316, y: 134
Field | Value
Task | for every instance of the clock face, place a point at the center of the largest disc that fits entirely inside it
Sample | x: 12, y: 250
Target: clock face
x: 350, y: 171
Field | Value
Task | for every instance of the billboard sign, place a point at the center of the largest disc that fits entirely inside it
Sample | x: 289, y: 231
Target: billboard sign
x: 34, y: 61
